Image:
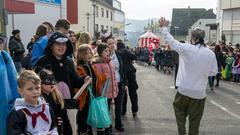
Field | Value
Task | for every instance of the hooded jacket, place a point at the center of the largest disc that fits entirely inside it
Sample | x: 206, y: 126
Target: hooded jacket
x: 64, y: 70
x: 104, y: 69
x: 8, y: 88
x: 21, y: 123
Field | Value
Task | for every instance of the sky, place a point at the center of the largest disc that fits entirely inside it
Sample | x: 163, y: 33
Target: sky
x: 146, y: 9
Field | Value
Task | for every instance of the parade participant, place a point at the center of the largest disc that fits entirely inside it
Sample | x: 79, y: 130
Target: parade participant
x: 31, y: 114
x: 53, y: 97
x: 196, y: 64
x: 84, y: 68
x: 121, y: 80
x: 16, y: 49
x: 104, y: 66
x: 128, y: 58
x: 229, y: 62
x: 236, y: 68
x: 8, y: 86
x: 56, y: 58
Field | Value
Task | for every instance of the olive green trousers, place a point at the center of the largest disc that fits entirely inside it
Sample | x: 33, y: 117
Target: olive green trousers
x: 193, y: 108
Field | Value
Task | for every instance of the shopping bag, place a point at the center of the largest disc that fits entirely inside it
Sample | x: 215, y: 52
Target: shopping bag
x: 98, y: 115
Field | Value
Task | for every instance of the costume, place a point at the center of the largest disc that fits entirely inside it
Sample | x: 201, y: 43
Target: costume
x: 28, y: 119
x: 8, y: 88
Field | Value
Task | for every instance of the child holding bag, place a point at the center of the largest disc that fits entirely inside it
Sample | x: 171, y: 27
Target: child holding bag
x: 105, y: 69
x: 84, y: 68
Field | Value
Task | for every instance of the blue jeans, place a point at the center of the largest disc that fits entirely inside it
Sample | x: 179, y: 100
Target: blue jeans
x: 211, y: 81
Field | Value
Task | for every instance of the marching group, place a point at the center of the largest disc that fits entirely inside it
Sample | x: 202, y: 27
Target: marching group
x: 38, y: 88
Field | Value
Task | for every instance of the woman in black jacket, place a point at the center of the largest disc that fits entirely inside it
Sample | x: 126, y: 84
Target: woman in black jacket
x: 128, y: 58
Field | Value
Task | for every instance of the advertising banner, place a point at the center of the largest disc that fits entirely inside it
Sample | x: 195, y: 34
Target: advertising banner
x: 57, y: 2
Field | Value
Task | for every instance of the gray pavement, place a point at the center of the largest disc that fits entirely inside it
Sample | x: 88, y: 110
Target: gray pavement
x: 156, y: 115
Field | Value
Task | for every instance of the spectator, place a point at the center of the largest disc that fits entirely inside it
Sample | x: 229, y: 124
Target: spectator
x: 8, y: 86
x: 16, y: 49
x: 56, y: 58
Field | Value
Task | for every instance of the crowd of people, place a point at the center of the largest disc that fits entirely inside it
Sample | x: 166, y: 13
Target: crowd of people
x: 39, y: 86
x: 166, y: 60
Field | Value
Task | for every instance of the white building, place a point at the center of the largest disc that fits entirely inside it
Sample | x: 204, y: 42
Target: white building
x: 229, y: 20
x: 119, y: 20
x: 104, y: 13
x: 41, y: 11
x: 210, y: 34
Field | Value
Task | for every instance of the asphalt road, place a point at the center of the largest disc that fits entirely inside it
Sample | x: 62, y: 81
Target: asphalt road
x: 156, y: 115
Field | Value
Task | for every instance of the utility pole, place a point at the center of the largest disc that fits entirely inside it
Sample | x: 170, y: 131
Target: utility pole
x: 94, y: 15
x: 88, y: 16
x: 2, y: 17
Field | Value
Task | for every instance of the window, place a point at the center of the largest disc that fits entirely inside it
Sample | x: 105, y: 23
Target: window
x: 97, y: 11
x: 102, y: 28
x: 111, y: 16
x: 102, y: 10
x: 107, y: 28
x: 96, y: 27
x: 107, y: 13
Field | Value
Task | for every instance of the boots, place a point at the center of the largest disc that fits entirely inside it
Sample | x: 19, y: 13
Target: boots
x: 108, y: 131
x: 101, y: 131
x: 119, y: 126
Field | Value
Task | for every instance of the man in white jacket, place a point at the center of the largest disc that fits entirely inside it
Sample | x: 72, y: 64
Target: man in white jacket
x: 196, y: 64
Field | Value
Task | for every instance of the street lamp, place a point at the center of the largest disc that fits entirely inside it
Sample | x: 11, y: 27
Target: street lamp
x: 122, y: 27
x: 175, y: 30
x: 88, y: 15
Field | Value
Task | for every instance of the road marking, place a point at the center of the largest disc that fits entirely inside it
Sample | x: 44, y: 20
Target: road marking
x: 238, y: 103
x: 172, y: 87
x: 225, y: 109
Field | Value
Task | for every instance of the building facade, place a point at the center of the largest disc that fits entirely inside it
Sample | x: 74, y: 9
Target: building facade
x: 27, y: 15
x: 229, y: 20
x: 119, y: 21
x: 206, y: 25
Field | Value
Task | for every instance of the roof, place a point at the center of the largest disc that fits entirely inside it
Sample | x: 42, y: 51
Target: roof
x: 183, y: 18
x: 148, y: 35
x: 104, y: 3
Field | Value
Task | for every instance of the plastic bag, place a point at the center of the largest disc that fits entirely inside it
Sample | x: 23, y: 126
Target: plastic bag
x: 98, y: 115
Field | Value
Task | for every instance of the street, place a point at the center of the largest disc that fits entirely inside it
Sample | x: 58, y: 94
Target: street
x: 156, y: 115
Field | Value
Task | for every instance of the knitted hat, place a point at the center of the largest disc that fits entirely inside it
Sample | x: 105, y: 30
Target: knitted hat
x: 16, y: 31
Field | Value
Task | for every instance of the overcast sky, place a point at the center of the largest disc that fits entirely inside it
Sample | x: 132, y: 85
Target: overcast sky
x: 145, y: 9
